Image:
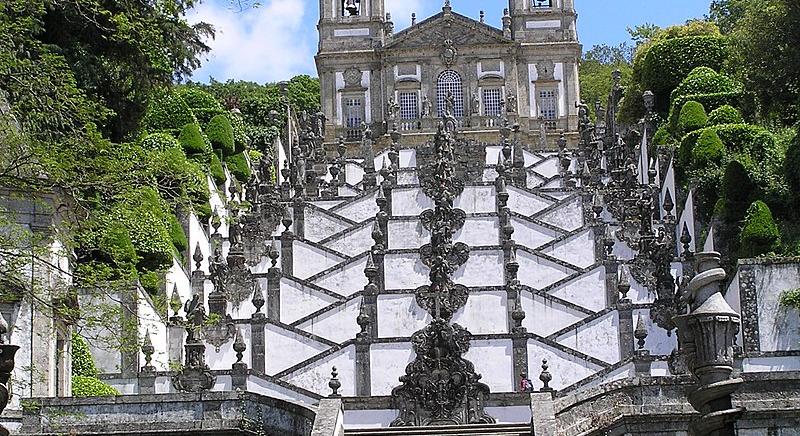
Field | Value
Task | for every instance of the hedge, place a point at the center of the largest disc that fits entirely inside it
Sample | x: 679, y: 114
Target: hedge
x: 747, y: 139
x: 220, y: 133
x: 176, y: 234
x: 709, y: 101
x: 693, y: 117
x: 238, y: 167
x: 663, y: 137
x: 168, y: 113
x: 192, y: 140
x: 791, y: 167
x: 704, y: 80
x: 115, y: 248
x: 725, y: 114
x: 669, y: 61
x: 738, y: 191
x: 217, y: 171
x: 204, y: 106
x: 240, y: 138
x: 709, y: 148
x: 143, y: 213
x: 158, y: 141
x: 759, y: 235
x: 91, y: 387
x: 84, y: 372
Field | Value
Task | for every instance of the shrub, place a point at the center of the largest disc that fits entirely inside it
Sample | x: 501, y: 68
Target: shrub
x: 693, y: 117
x: 738, y: 191
x: 168, y: 113
x: 238, y: 167
x: 176, y: 234
x: 151, y: 282
x: 143, y: 213
x: 158, y: 141
x: 725, y: 114
x: 91, y: 387
x: 82, y: 360
x: 204, y: 106
x: 704, y: 80
x: 709, y: 148
x: 240, y: 138
x: 791, y: 167
x: 117, y: 249
x: 663, y: 137
x: 709, y: 102
x: 669, y: 61
x: 220, y: 133
x: 759, y: 235
x: 217, y: 172
x: 192, y: 140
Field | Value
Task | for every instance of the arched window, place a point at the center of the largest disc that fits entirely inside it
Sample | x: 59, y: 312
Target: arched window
x: 450, y: 82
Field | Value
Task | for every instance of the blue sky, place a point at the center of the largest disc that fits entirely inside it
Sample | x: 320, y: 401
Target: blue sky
x: 278, y: 39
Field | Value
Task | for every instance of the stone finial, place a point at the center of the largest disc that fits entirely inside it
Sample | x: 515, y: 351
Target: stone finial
x: 518, y: 314
x: 239, y: 346
x: 3, y: 328
x: 175, y: 301
x: 334, y: 384
x: 148, y: 349
x: 640, y: 333
x: 258, y: 298
x: 370, y: 270
x: 669, y: 203
x: 380, y: 199
x: 609, y: 241
x: 545, y: 377
x: 598, y: 205
x: 624, y: 281
x: 686, y: 240
x: 273, y: 254
x: 483, y: 17
x: 286, y: 220
x: 197, y: 257
x: 363, y: 321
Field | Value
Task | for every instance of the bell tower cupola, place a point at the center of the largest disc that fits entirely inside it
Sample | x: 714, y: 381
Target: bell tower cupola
x: 351, y: 24
x: 543, y: 20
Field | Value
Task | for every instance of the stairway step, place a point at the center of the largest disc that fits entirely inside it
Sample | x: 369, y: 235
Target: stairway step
x: 460, y: 430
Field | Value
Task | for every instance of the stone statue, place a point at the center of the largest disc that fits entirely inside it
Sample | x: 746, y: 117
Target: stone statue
x: 511, y: 103
x: 392, y: 108
x: 426, y: 107
x: 476, y: 104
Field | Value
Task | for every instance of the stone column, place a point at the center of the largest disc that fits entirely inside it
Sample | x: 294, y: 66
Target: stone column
x: 625, y: 309
x: 543, y: 414
x: 129, y: 326
x: 363, y: 368
x: 330, y: 418
x: 287, y: 256
x: 299, y: 216
x: 274, y: 293
x: 258, y: 345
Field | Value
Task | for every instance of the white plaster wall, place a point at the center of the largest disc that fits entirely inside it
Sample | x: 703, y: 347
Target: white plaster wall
x: 354, y: 242
x: 407, y: 234
x: 537, y: 272
x: 319, y: 225
x: 484, y: 313
x: 547, y: 168
x: 493, y: 360
x: 387, y: 363
x: 479, y: 232
x: 588, y: 290
x: 346, y: 280
x: 176, y: 278
x: 316, y: 376
x: 525, y: 203
x: 310, y: 260
x: 530, y: 234
x: 510, y: 414
x: 533, y: 74
x: 659, y: 342
x: 226, y: 357
x: 337, y: 325
x: 353, y: 173
x: 578, y: 250
x: 544, y: 317
x: 599, y: 338
x: 483, y: 268
x: 298, y: 300
x: 399, y: 316
x: 286, y: 348
x: 410, y: 202
x: 369, y: 418
x: 771, y: 364
x: 327, y: 204
x: 565, y: 368
x: 778, y: 326
x: 359, y: 210
x: 568, y: 216
x: 405, y: 271
x: 150, y: 321
x: 408, y: 158
x: 476, y: 199
x: 260, y: 386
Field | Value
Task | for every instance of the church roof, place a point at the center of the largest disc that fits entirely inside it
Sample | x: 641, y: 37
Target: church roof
x: 462, y: 30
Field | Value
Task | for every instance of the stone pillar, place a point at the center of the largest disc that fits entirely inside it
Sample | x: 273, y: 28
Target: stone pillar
x: 363, y: 368
x: 129, y: 326
x: 147, y: 382
x: 519, y: 350
x: 330, y: 418
x: 175, y: 338
x: 543, y: 414
x: 287, y: 256
x: 625, y: 309
x: 274, y: 294
x: 258, y: 345
x: 299, y: 216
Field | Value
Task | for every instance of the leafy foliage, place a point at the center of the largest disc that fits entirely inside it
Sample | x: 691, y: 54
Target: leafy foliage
x: 238, y: 167
x: 790, y: 298
x: 220, y: 133
x: 596, y: 68
x: 692, y: 117
x: 167, y: 113
x: 192, y: 140
x: 84, y: 373
x: 709, y: 148
x: 705, y: 86
x: 759, y: 235
x: 725, y: 114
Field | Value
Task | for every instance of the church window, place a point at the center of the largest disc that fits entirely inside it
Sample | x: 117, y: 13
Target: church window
x: 351, y: 8
x: 449, y: 83
x: 492, y: 99
x: 354, y: 116
x: 548, y: 107
x: 542, y: 4
x: 409, y: 105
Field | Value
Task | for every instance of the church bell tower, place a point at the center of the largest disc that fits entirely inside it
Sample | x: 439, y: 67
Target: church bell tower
x: 543, y: 20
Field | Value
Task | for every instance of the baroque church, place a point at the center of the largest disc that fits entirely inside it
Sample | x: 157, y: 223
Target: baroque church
x: 527, y: 69
x: 452, y: 247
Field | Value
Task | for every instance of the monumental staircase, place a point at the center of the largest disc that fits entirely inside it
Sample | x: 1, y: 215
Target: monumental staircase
x: 474, y: 430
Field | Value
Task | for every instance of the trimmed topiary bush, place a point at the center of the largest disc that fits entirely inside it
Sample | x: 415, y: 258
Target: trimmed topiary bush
x: 706, y: 86
x: 693, y: 117
x: 192, y: 140
x: 158, y: 141
x: 204, y: 106
x: 176, y: 234
x: 151, y: 282
x: 709, y: 148
x: 738, y: 191
x: 168, y: 113
x: 220, y: 133
x: 663, y: 137
x: 725, y: 114
x: 84, y: 372
x: 759, y: 235
x: 217, y: 172
x: 238, y: 167
x: 240, y: 139
x: 144, y: 214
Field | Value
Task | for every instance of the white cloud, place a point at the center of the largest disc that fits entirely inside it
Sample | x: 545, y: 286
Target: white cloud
x: 264, y: 44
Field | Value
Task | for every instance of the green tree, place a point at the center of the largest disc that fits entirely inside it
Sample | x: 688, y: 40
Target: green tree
x: 596, y: 69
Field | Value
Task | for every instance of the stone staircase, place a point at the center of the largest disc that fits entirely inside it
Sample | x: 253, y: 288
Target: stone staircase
x: 461, y: 430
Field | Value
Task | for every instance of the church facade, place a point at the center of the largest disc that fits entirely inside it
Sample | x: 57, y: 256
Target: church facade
x: 370, y: 74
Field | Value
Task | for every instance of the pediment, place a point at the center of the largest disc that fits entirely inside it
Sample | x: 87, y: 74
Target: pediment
x: 461, y: 30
